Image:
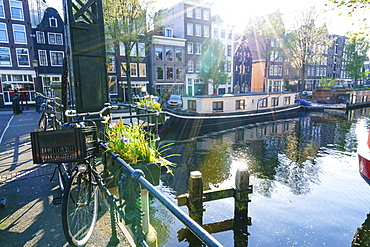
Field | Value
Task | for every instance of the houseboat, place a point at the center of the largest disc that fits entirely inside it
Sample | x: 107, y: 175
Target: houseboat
x: 342, y: 98
x: 231, y: 110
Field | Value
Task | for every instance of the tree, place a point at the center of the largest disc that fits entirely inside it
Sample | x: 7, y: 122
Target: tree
x: 307, y: 44
x: 126, y: 25
x: 351, y: 7
x: 265, y: 35
x: 213, y: 63
x: 355, y: 56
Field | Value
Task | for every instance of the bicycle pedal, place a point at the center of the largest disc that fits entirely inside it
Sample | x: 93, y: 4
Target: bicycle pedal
x: 2, y: 202
x: 58, y: 200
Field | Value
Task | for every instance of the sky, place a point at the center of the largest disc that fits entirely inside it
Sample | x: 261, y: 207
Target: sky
x: 238, y: 12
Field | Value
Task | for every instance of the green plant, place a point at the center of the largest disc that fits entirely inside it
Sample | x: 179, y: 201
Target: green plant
x: 135, y: 146
x: 149, y: 103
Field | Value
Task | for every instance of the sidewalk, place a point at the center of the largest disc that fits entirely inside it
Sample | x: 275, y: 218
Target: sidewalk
x: 29, y: 217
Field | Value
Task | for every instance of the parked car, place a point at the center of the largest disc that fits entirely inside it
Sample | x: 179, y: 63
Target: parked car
x: 174, y: 101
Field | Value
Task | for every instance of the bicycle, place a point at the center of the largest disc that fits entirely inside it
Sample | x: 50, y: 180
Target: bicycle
x: 49, y: 119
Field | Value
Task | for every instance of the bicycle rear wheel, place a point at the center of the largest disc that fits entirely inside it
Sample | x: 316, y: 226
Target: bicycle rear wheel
x: 80, y: 207
x: 43, y: 122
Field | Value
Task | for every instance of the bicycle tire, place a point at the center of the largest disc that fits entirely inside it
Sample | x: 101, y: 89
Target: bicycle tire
x: 80, y: 207
x: 43, y: 122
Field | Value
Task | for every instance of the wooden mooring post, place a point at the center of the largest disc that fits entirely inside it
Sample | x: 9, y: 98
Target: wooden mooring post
x: 195, y: 198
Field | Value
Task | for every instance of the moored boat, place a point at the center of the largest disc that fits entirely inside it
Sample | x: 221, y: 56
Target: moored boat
x: 364, y: 160
x: 232, y: 109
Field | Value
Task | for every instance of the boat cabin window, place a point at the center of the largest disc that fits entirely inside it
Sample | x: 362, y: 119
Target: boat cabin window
x: 218, y: 106
x: 286, y: 100
x: 240, y: 104
x: 192, y: 105
x: 263, y: 103
x: 274, y: 101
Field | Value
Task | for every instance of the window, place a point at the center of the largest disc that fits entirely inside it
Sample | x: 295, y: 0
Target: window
x: 43, y: 61
x: 206, y: 14
x: 55, y: 38
x: 22, y: 57
x: 123, y: 69
x: 189, y: 28
x: 286, y: 101
x: 198, y: 48
x: 280, y: 70
x: 206, y: 31
x: 158, y: 53
x: 178, y: 73
x: 159, y: 73
x: 230, y: 34
x: 178, y: 55
x: 197, y: 66
x: 190, y: 66
x: 169, y: 56
x: 192, y: 105
x: 19, y: 34
x: 263, y: 103
x: 111, y: 64
x: 189, y: 12
x: 5, y: 56
x: 218, y: 106
x: 240, y: 105
x: 2, y: 13
x: 215, y: 33
x: 56, y: 58
x: 3, y: 33
x: 169, y: 73
x: 223, y: 33
x: 40, y: 37
x: 141, y: 47
x: 274, y: 101
x: 228, y: 50
x: 142, y: 70
x: 198, y: 30
x: 190, y: 48
x: 198, y: 14
x: 228, y: 66
x: 53, y: 22
x: 133, y: 69
x: 168, y: 32
x: 16, y: 10
x: 112, y: 82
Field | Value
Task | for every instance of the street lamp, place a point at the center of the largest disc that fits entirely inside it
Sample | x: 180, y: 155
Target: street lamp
x: 35, y: 65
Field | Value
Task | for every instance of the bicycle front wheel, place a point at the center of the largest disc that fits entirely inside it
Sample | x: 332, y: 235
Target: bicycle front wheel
x: 80, y: 207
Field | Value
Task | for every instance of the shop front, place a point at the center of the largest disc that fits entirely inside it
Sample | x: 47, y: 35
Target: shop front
x: 20, y: 80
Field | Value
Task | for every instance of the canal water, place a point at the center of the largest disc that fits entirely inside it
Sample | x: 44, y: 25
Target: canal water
x: 307, y: 190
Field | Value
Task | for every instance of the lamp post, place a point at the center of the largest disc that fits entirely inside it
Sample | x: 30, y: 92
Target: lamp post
x: 35, y: 65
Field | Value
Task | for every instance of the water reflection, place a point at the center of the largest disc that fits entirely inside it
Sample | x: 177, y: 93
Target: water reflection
x: 292, y: 155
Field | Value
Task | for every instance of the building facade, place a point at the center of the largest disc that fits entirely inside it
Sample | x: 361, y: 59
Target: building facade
x: 49, y: 43
x: 191, y: 20
x: 16, y: 52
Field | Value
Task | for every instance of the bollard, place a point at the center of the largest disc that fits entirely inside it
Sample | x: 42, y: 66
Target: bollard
x: 241, y: 219
x: 242, y: 191
x: 195, y: 198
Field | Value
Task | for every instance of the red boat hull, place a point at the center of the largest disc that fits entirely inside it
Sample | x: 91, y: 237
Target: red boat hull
x: 364, y: 163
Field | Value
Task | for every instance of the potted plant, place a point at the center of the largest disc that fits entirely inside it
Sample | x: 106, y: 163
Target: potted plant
x: 150, y: 103
x: 138, y: 149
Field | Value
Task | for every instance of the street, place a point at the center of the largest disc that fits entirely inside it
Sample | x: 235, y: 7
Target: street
x: 29, y: 217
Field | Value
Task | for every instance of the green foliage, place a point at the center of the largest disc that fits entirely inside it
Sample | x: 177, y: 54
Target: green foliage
x: 355, y: 56
x: 149, y: 103
x: 213, y: 63
x: 134, y: 145
x: 126, y: 23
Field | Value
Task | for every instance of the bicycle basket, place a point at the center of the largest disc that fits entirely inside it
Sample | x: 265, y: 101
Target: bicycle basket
x: 65, y: 145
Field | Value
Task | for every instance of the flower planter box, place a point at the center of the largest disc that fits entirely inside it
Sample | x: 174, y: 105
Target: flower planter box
x: 152, y: 172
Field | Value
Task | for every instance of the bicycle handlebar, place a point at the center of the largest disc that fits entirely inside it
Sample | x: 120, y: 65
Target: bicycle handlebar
x: 73, y: 113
